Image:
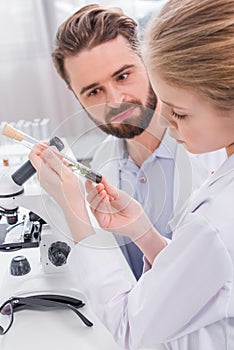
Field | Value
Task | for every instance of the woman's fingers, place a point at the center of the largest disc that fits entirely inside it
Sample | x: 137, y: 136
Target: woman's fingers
x: 111, y: 190
x: 38, y: 150
x: 49, y: 167
x: 35, y: 159
x: 54, y: 161
x: 40, y: 147
x: 102, y: 194
x: 96, y: 197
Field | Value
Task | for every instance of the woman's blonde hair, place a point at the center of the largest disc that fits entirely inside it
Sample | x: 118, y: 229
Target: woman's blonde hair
x: 191, y: 44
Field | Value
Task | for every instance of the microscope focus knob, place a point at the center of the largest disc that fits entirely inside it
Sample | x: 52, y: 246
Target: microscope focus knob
x: 58, y: 253
x: 19, y: 266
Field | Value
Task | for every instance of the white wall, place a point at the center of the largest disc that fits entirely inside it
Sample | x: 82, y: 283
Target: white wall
x: 29, y: 85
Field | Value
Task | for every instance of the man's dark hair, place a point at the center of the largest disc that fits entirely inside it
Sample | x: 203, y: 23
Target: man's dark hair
x: 92, y: 25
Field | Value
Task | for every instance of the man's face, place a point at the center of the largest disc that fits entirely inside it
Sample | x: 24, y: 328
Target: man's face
x: 112, y: 85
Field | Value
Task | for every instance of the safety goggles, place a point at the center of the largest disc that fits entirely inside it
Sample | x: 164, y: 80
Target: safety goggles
x: 49, y: 301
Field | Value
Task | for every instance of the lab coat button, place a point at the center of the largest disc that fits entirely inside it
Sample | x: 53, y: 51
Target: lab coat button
x: 143, y: 180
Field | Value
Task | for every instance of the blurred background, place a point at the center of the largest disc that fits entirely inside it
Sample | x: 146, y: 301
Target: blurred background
x: 31, y: 92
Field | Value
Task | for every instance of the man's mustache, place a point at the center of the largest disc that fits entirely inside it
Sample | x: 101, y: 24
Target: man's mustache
x: 113, y: 112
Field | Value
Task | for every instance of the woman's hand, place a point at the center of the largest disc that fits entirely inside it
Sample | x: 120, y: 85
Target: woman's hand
x: 55, y: 177
x: 116, y: 211
x: 64, y: 187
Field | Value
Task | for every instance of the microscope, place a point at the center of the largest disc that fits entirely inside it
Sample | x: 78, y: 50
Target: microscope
x: 44, y: 227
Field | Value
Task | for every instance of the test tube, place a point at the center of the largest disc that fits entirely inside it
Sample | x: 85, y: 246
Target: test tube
x: 30, y: 141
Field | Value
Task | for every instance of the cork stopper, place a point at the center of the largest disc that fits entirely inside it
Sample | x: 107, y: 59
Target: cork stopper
x: 12, y: 133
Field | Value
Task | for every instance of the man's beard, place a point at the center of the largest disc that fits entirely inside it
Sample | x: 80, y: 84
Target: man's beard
x: 133, y: 126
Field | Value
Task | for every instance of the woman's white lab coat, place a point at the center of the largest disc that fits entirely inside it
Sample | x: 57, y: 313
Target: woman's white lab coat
x: 186, y: 299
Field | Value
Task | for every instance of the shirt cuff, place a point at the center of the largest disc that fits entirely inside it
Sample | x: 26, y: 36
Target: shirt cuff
x: 147, y: 265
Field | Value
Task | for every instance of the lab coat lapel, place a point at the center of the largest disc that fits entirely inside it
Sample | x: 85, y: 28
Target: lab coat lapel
x: 183, y: 183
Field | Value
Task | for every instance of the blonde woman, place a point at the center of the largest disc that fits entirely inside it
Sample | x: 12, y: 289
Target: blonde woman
x: 185, y: 297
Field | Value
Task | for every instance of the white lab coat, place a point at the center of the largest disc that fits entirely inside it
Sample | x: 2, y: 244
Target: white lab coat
x: 186, y: 299
x: 190, y: 170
